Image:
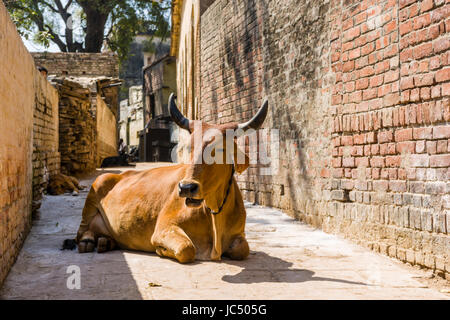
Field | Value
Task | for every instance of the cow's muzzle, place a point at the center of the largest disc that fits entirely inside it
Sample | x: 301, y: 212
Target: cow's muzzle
x: 189, y: 191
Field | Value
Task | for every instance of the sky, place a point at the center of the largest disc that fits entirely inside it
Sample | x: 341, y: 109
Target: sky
x: 33, y: 47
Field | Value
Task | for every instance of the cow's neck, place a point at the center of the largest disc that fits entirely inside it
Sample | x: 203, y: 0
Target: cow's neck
x: 225, y: 196
x: 218, y: 218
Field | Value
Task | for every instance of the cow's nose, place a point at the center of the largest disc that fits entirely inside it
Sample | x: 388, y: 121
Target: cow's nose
x: 187, y: 189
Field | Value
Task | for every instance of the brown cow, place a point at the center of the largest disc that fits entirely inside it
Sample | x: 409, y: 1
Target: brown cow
x: 185, y: 211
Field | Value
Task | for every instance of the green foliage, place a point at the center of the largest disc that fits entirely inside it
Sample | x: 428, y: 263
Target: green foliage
x: 84, y: 25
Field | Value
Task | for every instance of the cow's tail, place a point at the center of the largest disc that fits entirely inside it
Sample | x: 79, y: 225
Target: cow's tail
x: 69, y: 244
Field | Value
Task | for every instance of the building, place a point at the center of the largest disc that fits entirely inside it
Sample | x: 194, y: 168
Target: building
x: 359, y: 92
x: 131, y: 120
x: 159, y: 135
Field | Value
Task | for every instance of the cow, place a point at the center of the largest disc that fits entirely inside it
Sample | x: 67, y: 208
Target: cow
x: 116, y: 161
x: 59, y: 184
x: 186, y: 211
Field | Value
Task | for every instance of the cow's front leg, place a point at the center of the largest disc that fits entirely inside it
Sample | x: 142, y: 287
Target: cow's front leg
x: 173, y: 242
x: 238, y: 250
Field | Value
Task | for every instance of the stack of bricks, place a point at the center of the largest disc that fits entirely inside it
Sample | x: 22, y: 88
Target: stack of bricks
x: 360, y: 94
x: 77, y: 127
x: 46, y: 157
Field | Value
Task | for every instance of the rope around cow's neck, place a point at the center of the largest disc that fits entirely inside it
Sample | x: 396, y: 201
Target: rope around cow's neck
x: 226, y: 195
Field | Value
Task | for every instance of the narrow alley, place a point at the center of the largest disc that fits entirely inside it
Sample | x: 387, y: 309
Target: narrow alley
x: 288, y: 260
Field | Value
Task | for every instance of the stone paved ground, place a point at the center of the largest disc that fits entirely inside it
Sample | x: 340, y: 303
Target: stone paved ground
x: 288, y: 260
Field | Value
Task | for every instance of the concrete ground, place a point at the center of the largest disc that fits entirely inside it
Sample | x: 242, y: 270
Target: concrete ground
x: 288, y: 260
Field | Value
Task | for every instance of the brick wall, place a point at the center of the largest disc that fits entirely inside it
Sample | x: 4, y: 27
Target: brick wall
x: 360, y: 93
x: 46, y: 157
x: 106, y: 131
x: 27, y: 121
x: 78, y: 64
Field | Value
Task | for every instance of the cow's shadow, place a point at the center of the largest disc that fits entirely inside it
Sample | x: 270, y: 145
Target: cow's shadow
x: 260, y: 267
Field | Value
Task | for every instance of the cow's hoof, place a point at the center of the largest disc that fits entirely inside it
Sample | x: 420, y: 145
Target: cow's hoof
x: 238, y: 249
x: 104, y: 244
x: 86, y: 246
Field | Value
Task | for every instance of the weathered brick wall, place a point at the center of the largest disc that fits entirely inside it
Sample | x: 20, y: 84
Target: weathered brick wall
x: 106, y: 131
x: 46, y: 157
x: 360, y: 93
x: 78, y: 64
x: 27, y: 122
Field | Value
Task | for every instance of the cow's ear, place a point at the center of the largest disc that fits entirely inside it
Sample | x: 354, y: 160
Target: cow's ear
x: 241, y: 160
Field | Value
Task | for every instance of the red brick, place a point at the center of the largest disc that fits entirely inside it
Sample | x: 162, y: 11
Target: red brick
x: 426, y: 5
x: 441, y: 132
x: 424, y: 50
x: 418, y: 160
x: 442, y: 146
x: 387, y: 148
x: 393, y: 161
x: 423, y: 80
x: 391, y: 26
x: 422, y: 133
x: 367, y: 71
x: 422, y: 21
x: 420, y: 146
x: 368, y: 48
x: 348, y: 66
x: 407, y: 83
x: 406, y: 147
x: 347, y: 140
x: 362, y: 162
x: 425, y: 93
x: 391, y: 76
x: 347, y: 24
x: 377, y: 162
x: 337, y: 173
x: 397, y: 186
x: 362, y: 83
x: 336, y: 162
x: 348, y: 162
x: 359, y: 139
x: 414, y: 95
x: 403, y: 134
x: 443, y: 75
x: 355, y: 96
x: 380, y: 185
x: 384, y: 173
x: 374, y: 149
x: 446, y: 89
x: 376, y: 81
x: 385, y: 136
x: 441, y: 45
x: 391, y: 99
x: 369, y: 94
x: 440, y: 161
x: 351, y: 34
x: 371, y: 137
x: 405, y: 27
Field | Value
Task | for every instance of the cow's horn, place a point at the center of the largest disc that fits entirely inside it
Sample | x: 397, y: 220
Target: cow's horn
x: 176, y: 115
x: 257, y: 120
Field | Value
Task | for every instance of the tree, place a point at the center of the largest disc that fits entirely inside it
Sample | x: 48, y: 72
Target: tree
x: 86, y: 25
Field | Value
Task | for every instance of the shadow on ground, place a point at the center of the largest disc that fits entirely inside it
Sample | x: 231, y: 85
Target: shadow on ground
x: 261, y: 267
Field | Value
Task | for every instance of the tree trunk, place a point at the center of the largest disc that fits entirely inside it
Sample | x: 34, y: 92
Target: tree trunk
x: 95, y: 26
